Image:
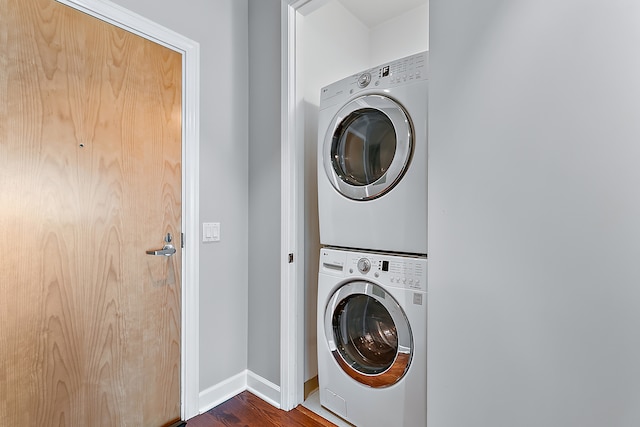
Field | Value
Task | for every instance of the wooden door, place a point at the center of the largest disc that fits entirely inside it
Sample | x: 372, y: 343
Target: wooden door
x: 90, y: 178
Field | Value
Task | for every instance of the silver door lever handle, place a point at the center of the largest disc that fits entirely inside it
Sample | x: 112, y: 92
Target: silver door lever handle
x: 167, y: 250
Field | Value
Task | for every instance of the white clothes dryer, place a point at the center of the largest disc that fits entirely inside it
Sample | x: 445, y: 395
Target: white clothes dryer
x: 372, y: 158
x: 372, y: 337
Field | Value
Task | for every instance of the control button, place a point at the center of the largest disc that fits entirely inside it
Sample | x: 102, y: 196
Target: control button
x: 364, y: 80
x: 377, y: 274
x: 364, y: 265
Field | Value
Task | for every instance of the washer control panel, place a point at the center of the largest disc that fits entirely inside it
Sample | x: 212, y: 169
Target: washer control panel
x: 391, y: 270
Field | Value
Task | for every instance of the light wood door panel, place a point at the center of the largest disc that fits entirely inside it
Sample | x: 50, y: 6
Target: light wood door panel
x: 90, y: 178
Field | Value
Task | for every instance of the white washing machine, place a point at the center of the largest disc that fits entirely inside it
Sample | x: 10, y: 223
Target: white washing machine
x: 372, y: 337
x: 372, y: 158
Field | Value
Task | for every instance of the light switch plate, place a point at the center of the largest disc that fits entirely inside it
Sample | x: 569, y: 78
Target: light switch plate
x: 210, y: 232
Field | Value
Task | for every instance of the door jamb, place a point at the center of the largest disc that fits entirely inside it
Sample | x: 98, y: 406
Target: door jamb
x: 190, y: 50
x: 291, y: 296
x: 292, y: 303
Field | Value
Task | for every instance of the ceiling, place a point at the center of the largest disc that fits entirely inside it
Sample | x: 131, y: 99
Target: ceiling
x: 375, y: 12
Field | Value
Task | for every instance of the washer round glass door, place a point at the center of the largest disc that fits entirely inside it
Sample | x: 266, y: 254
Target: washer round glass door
x: 368, y: 334
x: 368, y: 147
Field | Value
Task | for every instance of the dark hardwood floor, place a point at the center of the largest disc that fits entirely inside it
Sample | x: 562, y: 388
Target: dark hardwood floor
x: 247, y: 410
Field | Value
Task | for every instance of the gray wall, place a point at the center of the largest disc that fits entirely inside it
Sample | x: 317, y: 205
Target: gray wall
x: 264, y: 189
x: 534, y: 208
x: 220, y: 26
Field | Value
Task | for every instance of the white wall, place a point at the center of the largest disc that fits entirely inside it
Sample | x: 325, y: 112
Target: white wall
x: 220, y: 26
x: 534, y: 207
x: 323, y: 30
x: 400, y: 36
x: 335, y: 44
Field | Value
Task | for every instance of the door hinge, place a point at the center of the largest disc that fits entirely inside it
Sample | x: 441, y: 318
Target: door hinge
x: 182, y: 240
x: 290, y: 258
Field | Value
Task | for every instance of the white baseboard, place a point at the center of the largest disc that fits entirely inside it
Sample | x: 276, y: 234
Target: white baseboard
x: 245, y: 380
x: 264, y: 389
x: 221, y: 392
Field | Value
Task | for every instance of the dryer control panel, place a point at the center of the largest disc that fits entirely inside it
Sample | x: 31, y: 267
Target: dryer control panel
x: 400, y: 72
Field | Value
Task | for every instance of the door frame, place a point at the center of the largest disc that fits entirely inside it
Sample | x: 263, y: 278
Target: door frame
x: 292, y: 304
x: 190, y: 51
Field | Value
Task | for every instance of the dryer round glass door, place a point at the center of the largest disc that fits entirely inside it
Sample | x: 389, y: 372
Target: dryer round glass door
x: 368, y: 147
x: 368, y: 334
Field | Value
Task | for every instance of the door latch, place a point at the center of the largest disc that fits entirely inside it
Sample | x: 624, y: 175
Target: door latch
x: 167, y: 250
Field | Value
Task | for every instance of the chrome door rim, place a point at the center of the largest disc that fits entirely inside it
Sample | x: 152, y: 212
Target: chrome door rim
x: 398, y: 368
x: 404, y: 146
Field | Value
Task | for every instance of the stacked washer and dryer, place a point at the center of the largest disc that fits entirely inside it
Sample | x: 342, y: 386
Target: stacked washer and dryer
x: 372, y: 282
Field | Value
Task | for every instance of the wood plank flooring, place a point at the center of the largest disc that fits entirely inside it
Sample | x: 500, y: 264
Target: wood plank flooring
x: 247, y: 410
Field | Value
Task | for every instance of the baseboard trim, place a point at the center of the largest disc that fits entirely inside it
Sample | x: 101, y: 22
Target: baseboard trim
x: 223, y: 391
x: 245, y: 380
x: 263, y: 388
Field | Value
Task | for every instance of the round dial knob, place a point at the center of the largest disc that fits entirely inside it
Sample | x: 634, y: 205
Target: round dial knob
x: 364, y: 80
x: 364, y: 265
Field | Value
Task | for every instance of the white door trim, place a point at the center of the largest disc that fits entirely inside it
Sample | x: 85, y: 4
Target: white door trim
x: 292, y: 302
x: 291, y: 285
x: 190, y: 50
